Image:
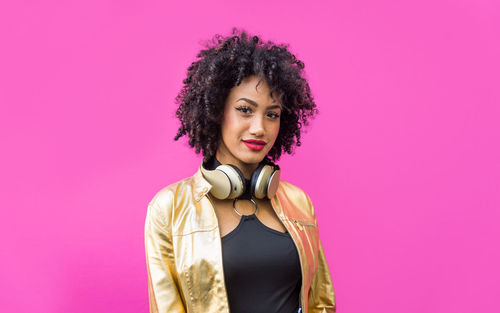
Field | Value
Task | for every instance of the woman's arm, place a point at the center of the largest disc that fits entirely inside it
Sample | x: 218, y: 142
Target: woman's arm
x: 321, y: 293
x: 164, y: 295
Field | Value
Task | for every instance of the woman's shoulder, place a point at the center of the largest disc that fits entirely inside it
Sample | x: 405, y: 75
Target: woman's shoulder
x: 289, y: 187
x: 296, y: 194
x: 161, y: 206
x: 165, y: 196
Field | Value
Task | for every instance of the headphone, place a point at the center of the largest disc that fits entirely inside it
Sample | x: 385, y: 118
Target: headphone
x: 229, y: 183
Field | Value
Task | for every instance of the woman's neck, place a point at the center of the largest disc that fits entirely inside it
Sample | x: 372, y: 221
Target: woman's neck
x: 245, y: 168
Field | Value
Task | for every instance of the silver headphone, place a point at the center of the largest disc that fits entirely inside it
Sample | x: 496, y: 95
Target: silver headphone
x: 229, y: 183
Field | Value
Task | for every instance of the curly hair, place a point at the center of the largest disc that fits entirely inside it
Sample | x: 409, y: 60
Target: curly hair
x: 224, y: 63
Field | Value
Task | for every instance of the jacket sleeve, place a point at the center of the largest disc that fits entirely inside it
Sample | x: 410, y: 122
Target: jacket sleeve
x: 163, y: 291
x: 321, y: 293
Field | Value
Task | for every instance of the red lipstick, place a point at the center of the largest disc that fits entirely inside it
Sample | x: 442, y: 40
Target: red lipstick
x: 255, y: 144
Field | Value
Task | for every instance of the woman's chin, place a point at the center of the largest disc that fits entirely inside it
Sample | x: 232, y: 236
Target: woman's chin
x: 253, y: 159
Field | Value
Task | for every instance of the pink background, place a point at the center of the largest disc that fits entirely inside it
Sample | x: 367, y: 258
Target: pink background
x: 402, y: 164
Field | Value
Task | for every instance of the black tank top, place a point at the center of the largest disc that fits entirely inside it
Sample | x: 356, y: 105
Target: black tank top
x: 261, y: 269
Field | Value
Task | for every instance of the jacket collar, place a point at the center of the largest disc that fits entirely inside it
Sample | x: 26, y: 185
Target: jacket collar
x: 200, y: 185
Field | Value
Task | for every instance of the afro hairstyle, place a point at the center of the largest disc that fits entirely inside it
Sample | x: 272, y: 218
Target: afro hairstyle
x: 223, y: 64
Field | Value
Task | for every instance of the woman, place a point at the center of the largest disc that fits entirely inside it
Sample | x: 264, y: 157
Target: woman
x: 234, y: 237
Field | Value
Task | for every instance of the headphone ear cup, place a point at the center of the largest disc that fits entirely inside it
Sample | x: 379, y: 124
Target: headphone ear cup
x: 255, y: 179
x: 221, y: 184
x: 261, y: 180
x: 235, y: 177
x: 272, y: 183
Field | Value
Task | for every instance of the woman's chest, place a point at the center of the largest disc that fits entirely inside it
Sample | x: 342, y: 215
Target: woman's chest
x: 229, y: 218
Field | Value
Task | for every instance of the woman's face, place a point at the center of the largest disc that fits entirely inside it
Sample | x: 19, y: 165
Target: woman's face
x: 250, y: 124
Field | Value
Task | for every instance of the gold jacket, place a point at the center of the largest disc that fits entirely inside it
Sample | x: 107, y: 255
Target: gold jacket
x: 184, y: 255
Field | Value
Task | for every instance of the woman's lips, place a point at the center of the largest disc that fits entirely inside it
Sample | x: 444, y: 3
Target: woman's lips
x: 256, y: 145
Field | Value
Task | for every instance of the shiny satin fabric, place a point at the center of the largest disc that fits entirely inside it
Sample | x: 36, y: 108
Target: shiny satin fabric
x: 184, y: 254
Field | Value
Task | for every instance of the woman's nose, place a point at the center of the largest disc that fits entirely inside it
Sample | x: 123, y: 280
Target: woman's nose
x: 257, y: 126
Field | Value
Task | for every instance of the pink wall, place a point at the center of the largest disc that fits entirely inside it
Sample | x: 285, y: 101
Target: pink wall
x: 403, y: 162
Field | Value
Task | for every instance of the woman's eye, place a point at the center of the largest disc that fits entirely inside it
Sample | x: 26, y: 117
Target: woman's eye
x: 248, y: 110
x: 244, y: 109
x: 274, y: 115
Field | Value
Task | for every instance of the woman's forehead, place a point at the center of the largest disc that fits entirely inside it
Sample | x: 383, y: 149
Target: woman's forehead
x: 254, y: 89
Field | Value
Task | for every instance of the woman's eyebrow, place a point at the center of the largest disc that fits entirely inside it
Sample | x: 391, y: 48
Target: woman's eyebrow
x: 276, y: 106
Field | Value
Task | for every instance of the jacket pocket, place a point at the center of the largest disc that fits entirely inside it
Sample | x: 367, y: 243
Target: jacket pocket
x: 301, y: 224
